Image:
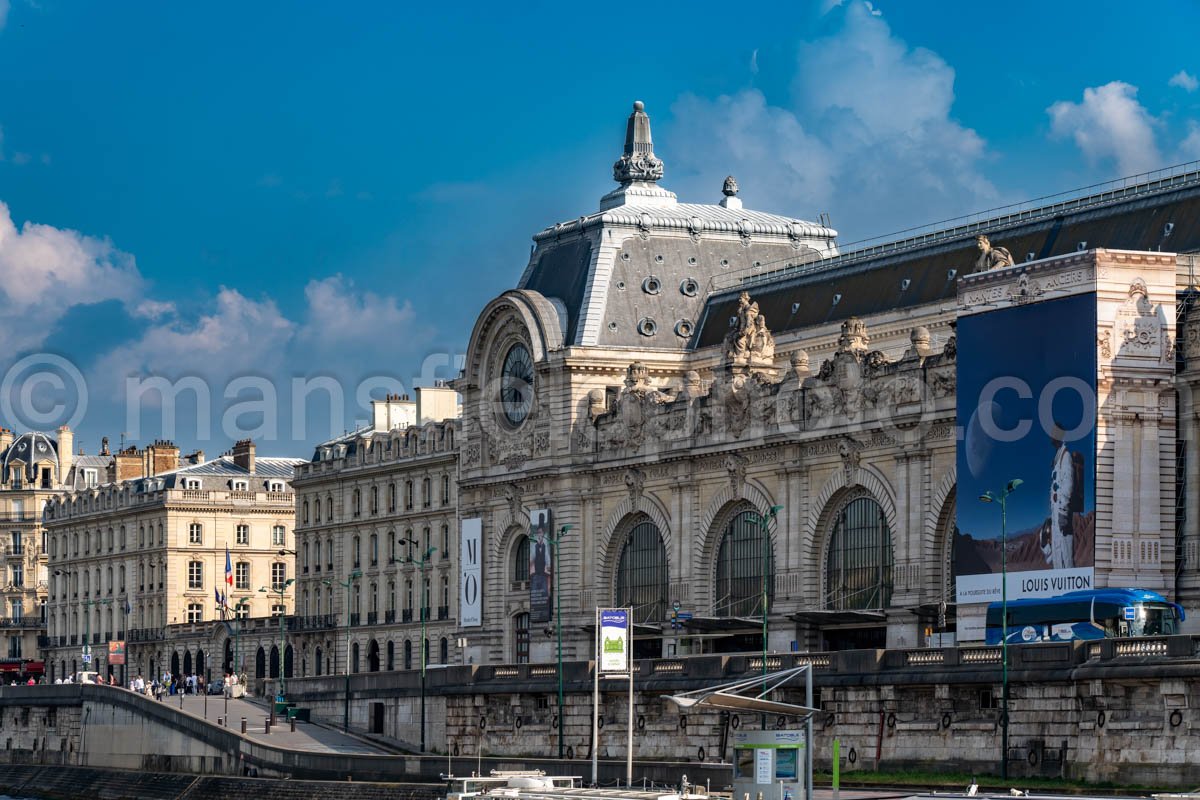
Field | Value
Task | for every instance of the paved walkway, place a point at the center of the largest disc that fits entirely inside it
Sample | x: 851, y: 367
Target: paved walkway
x: 312, y: 738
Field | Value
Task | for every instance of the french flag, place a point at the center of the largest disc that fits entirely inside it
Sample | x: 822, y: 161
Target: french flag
x: 228, y: 576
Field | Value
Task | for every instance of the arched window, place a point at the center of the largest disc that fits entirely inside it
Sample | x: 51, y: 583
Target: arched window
x: 858, y: 567
x: 445, y: 650
x: 354, y: 657
x: 391, y: 655
x: 520, y: 562
x: 741, y: 558
x: 642, y: 579
x: 317, y: 662
x: 275, y: 661
x: 408, y: 654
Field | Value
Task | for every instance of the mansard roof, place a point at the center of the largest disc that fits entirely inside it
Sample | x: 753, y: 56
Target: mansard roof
x: 1160, y: 214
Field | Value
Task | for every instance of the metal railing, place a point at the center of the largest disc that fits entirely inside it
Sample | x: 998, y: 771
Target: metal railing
x: 1039, y: 208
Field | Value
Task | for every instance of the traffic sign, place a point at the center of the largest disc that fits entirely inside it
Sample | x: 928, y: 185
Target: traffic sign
x: 87, y: 658
x: 685, y: 615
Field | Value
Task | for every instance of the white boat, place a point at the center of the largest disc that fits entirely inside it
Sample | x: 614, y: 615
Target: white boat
x: 537, y: 785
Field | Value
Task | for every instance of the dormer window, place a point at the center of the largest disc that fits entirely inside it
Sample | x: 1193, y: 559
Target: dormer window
x: 191, y: 483
x: 239, y: 486
x: 90, y: 477
x: 275, y: 486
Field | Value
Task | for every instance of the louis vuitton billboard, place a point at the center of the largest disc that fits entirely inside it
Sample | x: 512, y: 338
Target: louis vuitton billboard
x: 1027, y: 412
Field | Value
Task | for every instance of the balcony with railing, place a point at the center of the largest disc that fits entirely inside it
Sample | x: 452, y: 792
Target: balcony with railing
x: 312, y: 622
x: 372, y: 617
x: 408, y: 615
x: 354, y: 620
x: 22, y: 622
x: 443, y: 612
x: 389, y: 616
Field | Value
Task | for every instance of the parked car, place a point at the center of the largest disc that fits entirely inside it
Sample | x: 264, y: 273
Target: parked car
x: 87, y: 677
x: 216, y: 686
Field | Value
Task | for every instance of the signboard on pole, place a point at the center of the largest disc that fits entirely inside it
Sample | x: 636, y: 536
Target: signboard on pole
x: 470, y: 590
x: 614, y: 640
x: 116, y: 653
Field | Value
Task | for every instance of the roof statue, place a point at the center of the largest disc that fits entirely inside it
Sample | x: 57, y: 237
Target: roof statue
x: 991, y: 257
x: 750, y: 342
x: 730, y: 189
x: 638, y: 163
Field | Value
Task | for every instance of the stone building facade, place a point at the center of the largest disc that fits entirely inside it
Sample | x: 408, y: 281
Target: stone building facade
x: 37, y: 467
x: 142, y: 559
x: 377, y: 541
x: 722, y: 406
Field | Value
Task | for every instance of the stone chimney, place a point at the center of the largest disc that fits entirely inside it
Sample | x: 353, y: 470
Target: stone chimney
x: 104, y: 446
x: 243, y: 454
x: 126, y: 465
x: 161, y: 456
x: 6, y: 439
x: 66, y: 453
x: 394, y: 411
x: 195, y: 458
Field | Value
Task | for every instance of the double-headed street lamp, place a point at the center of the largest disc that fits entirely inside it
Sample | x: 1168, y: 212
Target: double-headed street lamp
x: 421, y: 564
x: 1002, y: 499
x: 554, y: 542
x: 355, y: 575
x: 280, y: 589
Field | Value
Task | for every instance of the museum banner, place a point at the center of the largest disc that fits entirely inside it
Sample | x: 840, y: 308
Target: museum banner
x: 1027, y: 412
x: 614, y: 640
x: 470, y: 589
x: 541, y: 565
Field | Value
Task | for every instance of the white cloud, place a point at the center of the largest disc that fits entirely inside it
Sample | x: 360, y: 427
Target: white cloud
x: 341, y: 318
x: 153, y: 310
x: 45, y: 271
x: 1189, y: 148
x: 238, y: 335
x: 1184, y: 80
x: 868, y: 135
x: 1109, y: 125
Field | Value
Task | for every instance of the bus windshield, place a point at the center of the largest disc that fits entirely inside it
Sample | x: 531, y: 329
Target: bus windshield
x: 1154, y: 619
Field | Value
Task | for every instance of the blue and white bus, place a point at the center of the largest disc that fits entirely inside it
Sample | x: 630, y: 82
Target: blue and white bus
x: 1086, y: 614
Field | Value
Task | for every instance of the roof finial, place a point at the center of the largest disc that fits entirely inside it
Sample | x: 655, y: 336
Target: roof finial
x: 638, y: 163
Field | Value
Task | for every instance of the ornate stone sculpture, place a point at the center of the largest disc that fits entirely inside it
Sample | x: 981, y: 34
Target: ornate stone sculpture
x: 849, y: 454
x: 991, y: 257
x: 750, y: 343
x: 730, y: 189
x: 638, y: 163
x: 635, y: 482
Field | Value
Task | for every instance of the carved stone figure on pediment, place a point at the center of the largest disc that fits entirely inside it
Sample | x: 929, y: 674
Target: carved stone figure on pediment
x: 942, y: 382
x: 1026, y: 291
x: 1104, y: 343
x: 1140, y: 331
x: 692, y: 388
x: 875, y: 362
x: 950, y: 350
x: 1191, y: 337
x: 597, y: 403
x: 850, y: 456
x: 635, y: 483
x: 750, y: 342
x: 735, y: 466
x: 704, y: 421
x: 512, y: 495
x: 737, y: 398
x: 854, y: 338
x: 825, y: 373
x: 991, y: 257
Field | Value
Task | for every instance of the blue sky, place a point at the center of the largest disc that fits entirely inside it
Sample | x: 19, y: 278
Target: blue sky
x: 312, y: 190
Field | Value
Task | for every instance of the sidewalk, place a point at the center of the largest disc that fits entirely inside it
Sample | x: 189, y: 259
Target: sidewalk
x: 310, y: 738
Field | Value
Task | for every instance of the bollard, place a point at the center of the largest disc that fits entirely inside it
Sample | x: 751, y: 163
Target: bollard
x: 243, y: 724
x: 293, y: 724
x: 267, y: 725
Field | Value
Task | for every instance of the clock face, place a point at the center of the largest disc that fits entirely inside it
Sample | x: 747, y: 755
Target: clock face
x: 516, y: 384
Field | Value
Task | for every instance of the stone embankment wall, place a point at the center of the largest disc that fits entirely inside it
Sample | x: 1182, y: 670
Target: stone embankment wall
x: 1118, y: 710
x: 71, y: 783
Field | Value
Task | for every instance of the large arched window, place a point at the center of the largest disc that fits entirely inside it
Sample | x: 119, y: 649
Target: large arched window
x: 642, y: 581
x: 858, y: 568
x: 520, y: 561
x: 743, y: 558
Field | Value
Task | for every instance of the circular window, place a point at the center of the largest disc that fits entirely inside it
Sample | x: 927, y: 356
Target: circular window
x: 621, y: 285
x: 692, y: 261
x: 647, y: 326
x: 658, y: 259
x: 612, y: 326
x: 689, y: 287
x: 725, y: 263
x: 652, y: 285
x: 684, y: 328
x: 624, y: 256
x: 516, y: 384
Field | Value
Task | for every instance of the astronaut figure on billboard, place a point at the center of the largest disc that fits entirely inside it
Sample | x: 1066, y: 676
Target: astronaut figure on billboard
x: 1066, y: 500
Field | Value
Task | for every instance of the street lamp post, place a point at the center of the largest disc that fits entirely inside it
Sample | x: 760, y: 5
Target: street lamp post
x: 554, y: 542
x: 244, y: 603
x: 1002, y: 499
x: 764, y: 521
x: 421, y: 563
x: 354, y: 575
x: 280, y: 589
